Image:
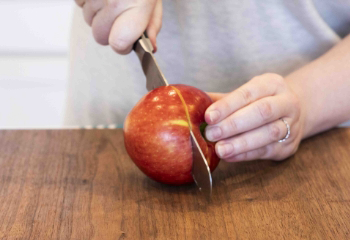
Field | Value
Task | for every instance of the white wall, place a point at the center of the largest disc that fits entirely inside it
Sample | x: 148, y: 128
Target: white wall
x: 34, y: 43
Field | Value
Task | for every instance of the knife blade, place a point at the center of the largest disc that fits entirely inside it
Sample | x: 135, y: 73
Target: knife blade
x: 200, y: 168
x: 155, y: 78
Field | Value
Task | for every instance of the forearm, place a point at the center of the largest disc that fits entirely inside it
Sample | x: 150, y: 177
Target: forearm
x: 323, y: 87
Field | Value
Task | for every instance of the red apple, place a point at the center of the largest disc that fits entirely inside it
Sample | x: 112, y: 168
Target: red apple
x: 157, y: 135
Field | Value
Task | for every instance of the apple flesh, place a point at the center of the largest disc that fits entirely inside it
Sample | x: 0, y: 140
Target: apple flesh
x: 157, y: 133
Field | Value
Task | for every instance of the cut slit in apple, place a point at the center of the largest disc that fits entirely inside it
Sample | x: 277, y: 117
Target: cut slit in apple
x: 203, y: 124
x: 185, y: 107
x: 201, y: 129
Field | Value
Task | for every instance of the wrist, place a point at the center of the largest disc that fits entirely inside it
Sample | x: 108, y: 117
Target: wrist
x: 305, y: 108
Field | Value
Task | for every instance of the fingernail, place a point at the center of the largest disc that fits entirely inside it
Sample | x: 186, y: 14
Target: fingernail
x: 214, y: 116
x: 224, y: 149
x: 213, y: 133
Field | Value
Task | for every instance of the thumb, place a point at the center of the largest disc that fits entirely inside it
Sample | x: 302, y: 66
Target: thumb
x: 128, y: 27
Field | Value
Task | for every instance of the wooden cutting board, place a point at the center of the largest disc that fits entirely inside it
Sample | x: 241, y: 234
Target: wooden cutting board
x: 81, y: 184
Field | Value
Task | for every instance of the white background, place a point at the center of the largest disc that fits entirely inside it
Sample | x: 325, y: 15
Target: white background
x: 34, y: 44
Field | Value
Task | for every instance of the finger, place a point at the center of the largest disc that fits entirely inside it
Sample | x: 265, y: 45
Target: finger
x: 248, y: 156
x: 155, y: 24
x: 80, y: 3
x: 252, y: 140
x: 216, y: 96
x: 275, y: 151
x: 90, y: 9
x: 261, y: 86
x: 128, y: 27
x: 279, y: 151
x: 257, y: 114
x: 103, y: 21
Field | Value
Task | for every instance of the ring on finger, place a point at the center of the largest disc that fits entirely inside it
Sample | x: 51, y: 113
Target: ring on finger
x: 288, y: 131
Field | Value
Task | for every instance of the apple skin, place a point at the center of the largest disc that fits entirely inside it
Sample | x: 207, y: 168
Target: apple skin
x: 157, y: 136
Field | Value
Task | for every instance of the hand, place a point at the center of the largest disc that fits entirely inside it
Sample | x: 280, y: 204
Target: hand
x: 247, y: 122
x: 120, y: 23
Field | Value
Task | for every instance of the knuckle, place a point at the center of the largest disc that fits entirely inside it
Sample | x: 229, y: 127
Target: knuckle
x: 119, y: 45
x: 258, y: 78
x: 87, y: 19
x: 274, y: 132
x: 99, y: 34
x: 90, y: 10
x: 282, y: 155
x: 276, y: 79
x: 112, y: 4
x: 274, y: 75
x: 233, y: 125
x: 246, y: 95
x: 243, y: 144
x: 265, y: 110
x: 99, y: 38
x: 288, y: 152
x: 80, y: 3
x: 225, y: 104
x: 267, y: 152
x: 96, y: 6
x: 261, y: 152
x: 239, y: 157
x: 242, y: 156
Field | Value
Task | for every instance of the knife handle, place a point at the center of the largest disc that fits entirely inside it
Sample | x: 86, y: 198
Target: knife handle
x: 143, y: 37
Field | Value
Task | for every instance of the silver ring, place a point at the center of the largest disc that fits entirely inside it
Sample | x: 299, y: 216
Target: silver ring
x: 288, y: 131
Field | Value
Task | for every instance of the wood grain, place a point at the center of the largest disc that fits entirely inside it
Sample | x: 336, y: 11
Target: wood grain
x: 81, y: 184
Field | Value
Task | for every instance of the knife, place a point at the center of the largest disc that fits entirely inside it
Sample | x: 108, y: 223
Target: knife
x: 155, y: 78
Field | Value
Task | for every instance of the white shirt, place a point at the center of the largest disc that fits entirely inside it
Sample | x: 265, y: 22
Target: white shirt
x: 212, y: 45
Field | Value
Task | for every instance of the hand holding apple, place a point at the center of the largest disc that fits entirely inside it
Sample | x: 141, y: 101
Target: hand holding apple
x: 247, y: 123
